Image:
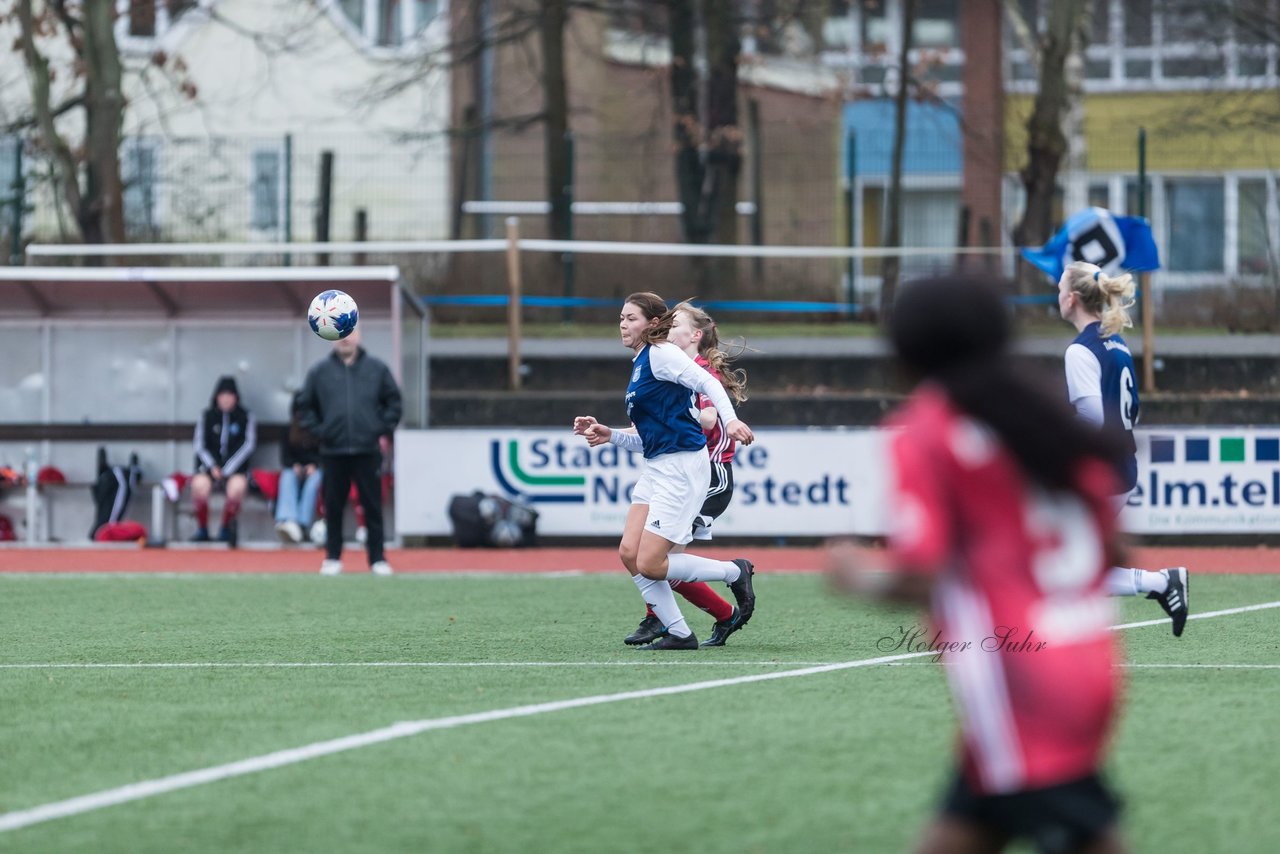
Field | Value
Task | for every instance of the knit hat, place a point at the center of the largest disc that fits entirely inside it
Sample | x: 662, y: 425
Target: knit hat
x: 227, y: 383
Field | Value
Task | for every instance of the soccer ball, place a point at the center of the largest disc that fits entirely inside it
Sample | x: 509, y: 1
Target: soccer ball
x: 333, y: 315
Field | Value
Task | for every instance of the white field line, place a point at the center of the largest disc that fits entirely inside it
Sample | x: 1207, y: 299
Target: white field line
x: 469, y: 574
x: 1126, y: 665
x: 281, y: 758
x: 161, y: 665
x: 1263, y: 606
x: 166, y: 665
x: 1205, y: 666
x: 148, y: 788
x: 265, y: 665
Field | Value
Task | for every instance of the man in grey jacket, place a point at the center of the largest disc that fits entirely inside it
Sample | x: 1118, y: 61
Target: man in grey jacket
x: 350, y: 401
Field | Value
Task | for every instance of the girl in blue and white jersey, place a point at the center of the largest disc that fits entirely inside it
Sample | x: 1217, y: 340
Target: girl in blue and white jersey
x: 662, y: 405
x: 1102, y: 386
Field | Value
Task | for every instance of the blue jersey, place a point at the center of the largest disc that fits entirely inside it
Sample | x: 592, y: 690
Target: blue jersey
x: 1100, y: 370
x: 665, y: 412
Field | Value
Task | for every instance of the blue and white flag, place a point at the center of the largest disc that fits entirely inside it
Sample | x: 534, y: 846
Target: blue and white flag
x: 1114, y: 243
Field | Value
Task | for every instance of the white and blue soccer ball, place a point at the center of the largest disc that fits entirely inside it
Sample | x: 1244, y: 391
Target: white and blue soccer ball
x: 333, y: 315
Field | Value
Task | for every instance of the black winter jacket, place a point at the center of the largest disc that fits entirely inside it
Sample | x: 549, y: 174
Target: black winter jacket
x: 349, y: 406
x: 225, y: 440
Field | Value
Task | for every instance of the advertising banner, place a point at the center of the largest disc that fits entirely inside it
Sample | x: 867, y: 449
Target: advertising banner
x: 807, y: 483
x: 788, y: 483
x: 1215, y: 480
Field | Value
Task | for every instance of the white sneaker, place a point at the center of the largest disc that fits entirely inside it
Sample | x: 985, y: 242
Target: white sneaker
x: 332, y: 567
x: 381, y: 568
x: 362, y: 535
x: 318, y: 532
x: 289, y: 532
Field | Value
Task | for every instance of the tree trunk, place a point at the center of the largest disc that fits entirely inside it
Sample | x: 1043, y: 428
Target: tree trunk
x: 102, y: 211
x: 1046, y: 143
x: 686, y: 127
x: 556, y: 124
x: 97, y: 206
x: 724, y: 156
x: 891, y: 269
x: 50, y: 140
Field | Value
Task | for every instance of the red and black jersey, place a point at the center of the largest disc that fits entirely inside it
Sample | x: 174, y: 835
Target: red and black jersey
x: 1019, y: 599
x: 719, y: 445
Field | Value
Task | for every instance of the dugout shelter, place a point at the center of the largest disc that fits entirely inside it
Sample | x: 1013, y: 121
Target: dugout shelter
x: 127, y: 358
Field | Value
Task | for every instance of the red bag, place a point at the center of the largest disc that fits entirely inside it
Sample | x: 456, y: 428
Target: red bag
x: 121, y: 532
x: 268, y: 483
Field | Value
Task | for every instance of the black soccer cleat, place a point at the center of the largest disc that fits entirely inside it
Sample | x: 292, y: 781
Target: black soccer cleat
x: 1174, y: 599
x: 743, y: 591
x: 649, y: 630
x: 229, y: 534
x: 723, y: 628
x: 669, y: 641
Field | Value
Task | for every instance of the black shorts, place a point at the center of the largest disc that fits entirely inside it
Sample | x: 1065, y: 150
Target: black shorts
x: 1054, y: 819
x: 719, y: 494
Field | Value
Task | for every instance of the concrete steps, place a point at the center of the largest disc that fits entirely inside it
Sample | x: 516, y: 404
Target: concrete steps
x: 823, y: 381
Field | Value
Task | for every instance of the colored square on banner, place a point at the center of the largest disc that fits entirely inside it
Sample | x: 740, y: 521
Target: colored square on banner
x: 1267, y: 450
x: 1163, y: 449
x: 1231, y: 450
x: 1197, y: 450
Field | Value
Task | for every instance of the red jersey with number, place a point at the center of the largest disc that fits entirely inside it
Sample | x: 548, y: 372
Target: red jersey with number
x: 719, y: 445
x: 1019, y: 600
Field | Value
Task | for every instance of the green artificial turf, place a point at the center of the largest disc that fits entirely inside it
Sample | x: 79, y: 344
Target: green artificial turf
x: 850, y: 760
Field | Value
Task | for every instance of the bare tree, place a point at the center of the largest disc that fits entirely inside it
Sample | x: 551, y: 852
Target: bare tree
x: 708, y: 157
x: 93, y: 194
x: 1046, y: 140
x: 893, y: 238
x: 555, y: 93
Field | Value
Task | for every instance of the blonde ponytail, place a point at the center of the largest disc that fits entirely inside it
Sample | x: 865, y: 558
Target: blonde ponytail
x: 1107, y: 297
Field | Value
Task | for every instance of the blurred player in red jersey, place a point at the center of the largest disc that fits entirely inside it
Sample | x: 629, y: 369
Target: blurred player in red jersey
x: 694, y: 331
x: 1001, y: 519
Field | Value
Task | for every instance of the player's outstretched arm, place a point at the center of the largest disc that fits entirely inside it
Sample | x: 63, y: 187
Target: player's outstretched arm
x: 867, y: 575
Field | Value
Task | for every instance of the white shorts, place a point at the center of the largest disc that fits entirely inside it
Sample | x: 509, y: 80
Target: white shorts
x: 674, y: 486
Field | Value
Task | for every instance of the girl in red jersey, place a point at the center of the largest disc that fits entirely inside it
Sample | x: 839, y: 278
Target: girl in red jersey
x: 1002, y: 521
x: 694, y: 331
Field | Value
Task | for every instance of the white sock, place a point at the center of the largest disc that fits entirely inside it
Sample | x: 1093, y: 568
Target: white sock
x: 1122, y: 581
x: 1151, y: 582
x: 687, y: 567
x: 658, y: 595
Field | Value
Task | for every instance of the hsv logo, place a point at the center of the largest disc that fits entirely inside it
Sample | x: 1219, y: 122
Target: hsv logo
x: 537, y: 488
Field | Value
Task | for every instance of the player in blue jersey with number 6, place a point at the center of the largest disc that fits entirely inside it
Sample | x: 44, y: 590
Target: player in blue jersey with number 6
x: 662, y: 405
x: 1102, y: 386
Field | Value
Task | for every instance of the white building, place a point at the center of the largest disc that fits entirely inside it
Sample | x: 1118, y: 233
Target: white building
x: 232, y: 102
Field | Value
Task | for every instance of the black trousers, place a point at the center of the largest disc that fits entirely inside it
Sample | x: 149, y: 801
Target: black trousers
x: 340, y: 471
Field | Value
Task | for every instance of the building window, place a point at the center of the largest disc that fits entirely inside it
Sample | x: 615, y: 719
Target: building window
x: 1253, y: 246
x: 146, y: 19
x: 266, y: 190
x: 1194, y: 210
x: 9, y: 161
x: 140, y: 173
x: 354, y: 10
x: 389, y: 23
x: 1152, y: 44
x: 875, y: 28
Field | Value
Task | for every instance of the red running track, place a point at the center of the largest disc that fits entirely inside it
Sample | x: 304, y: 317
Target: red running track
x: 216, y: 559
